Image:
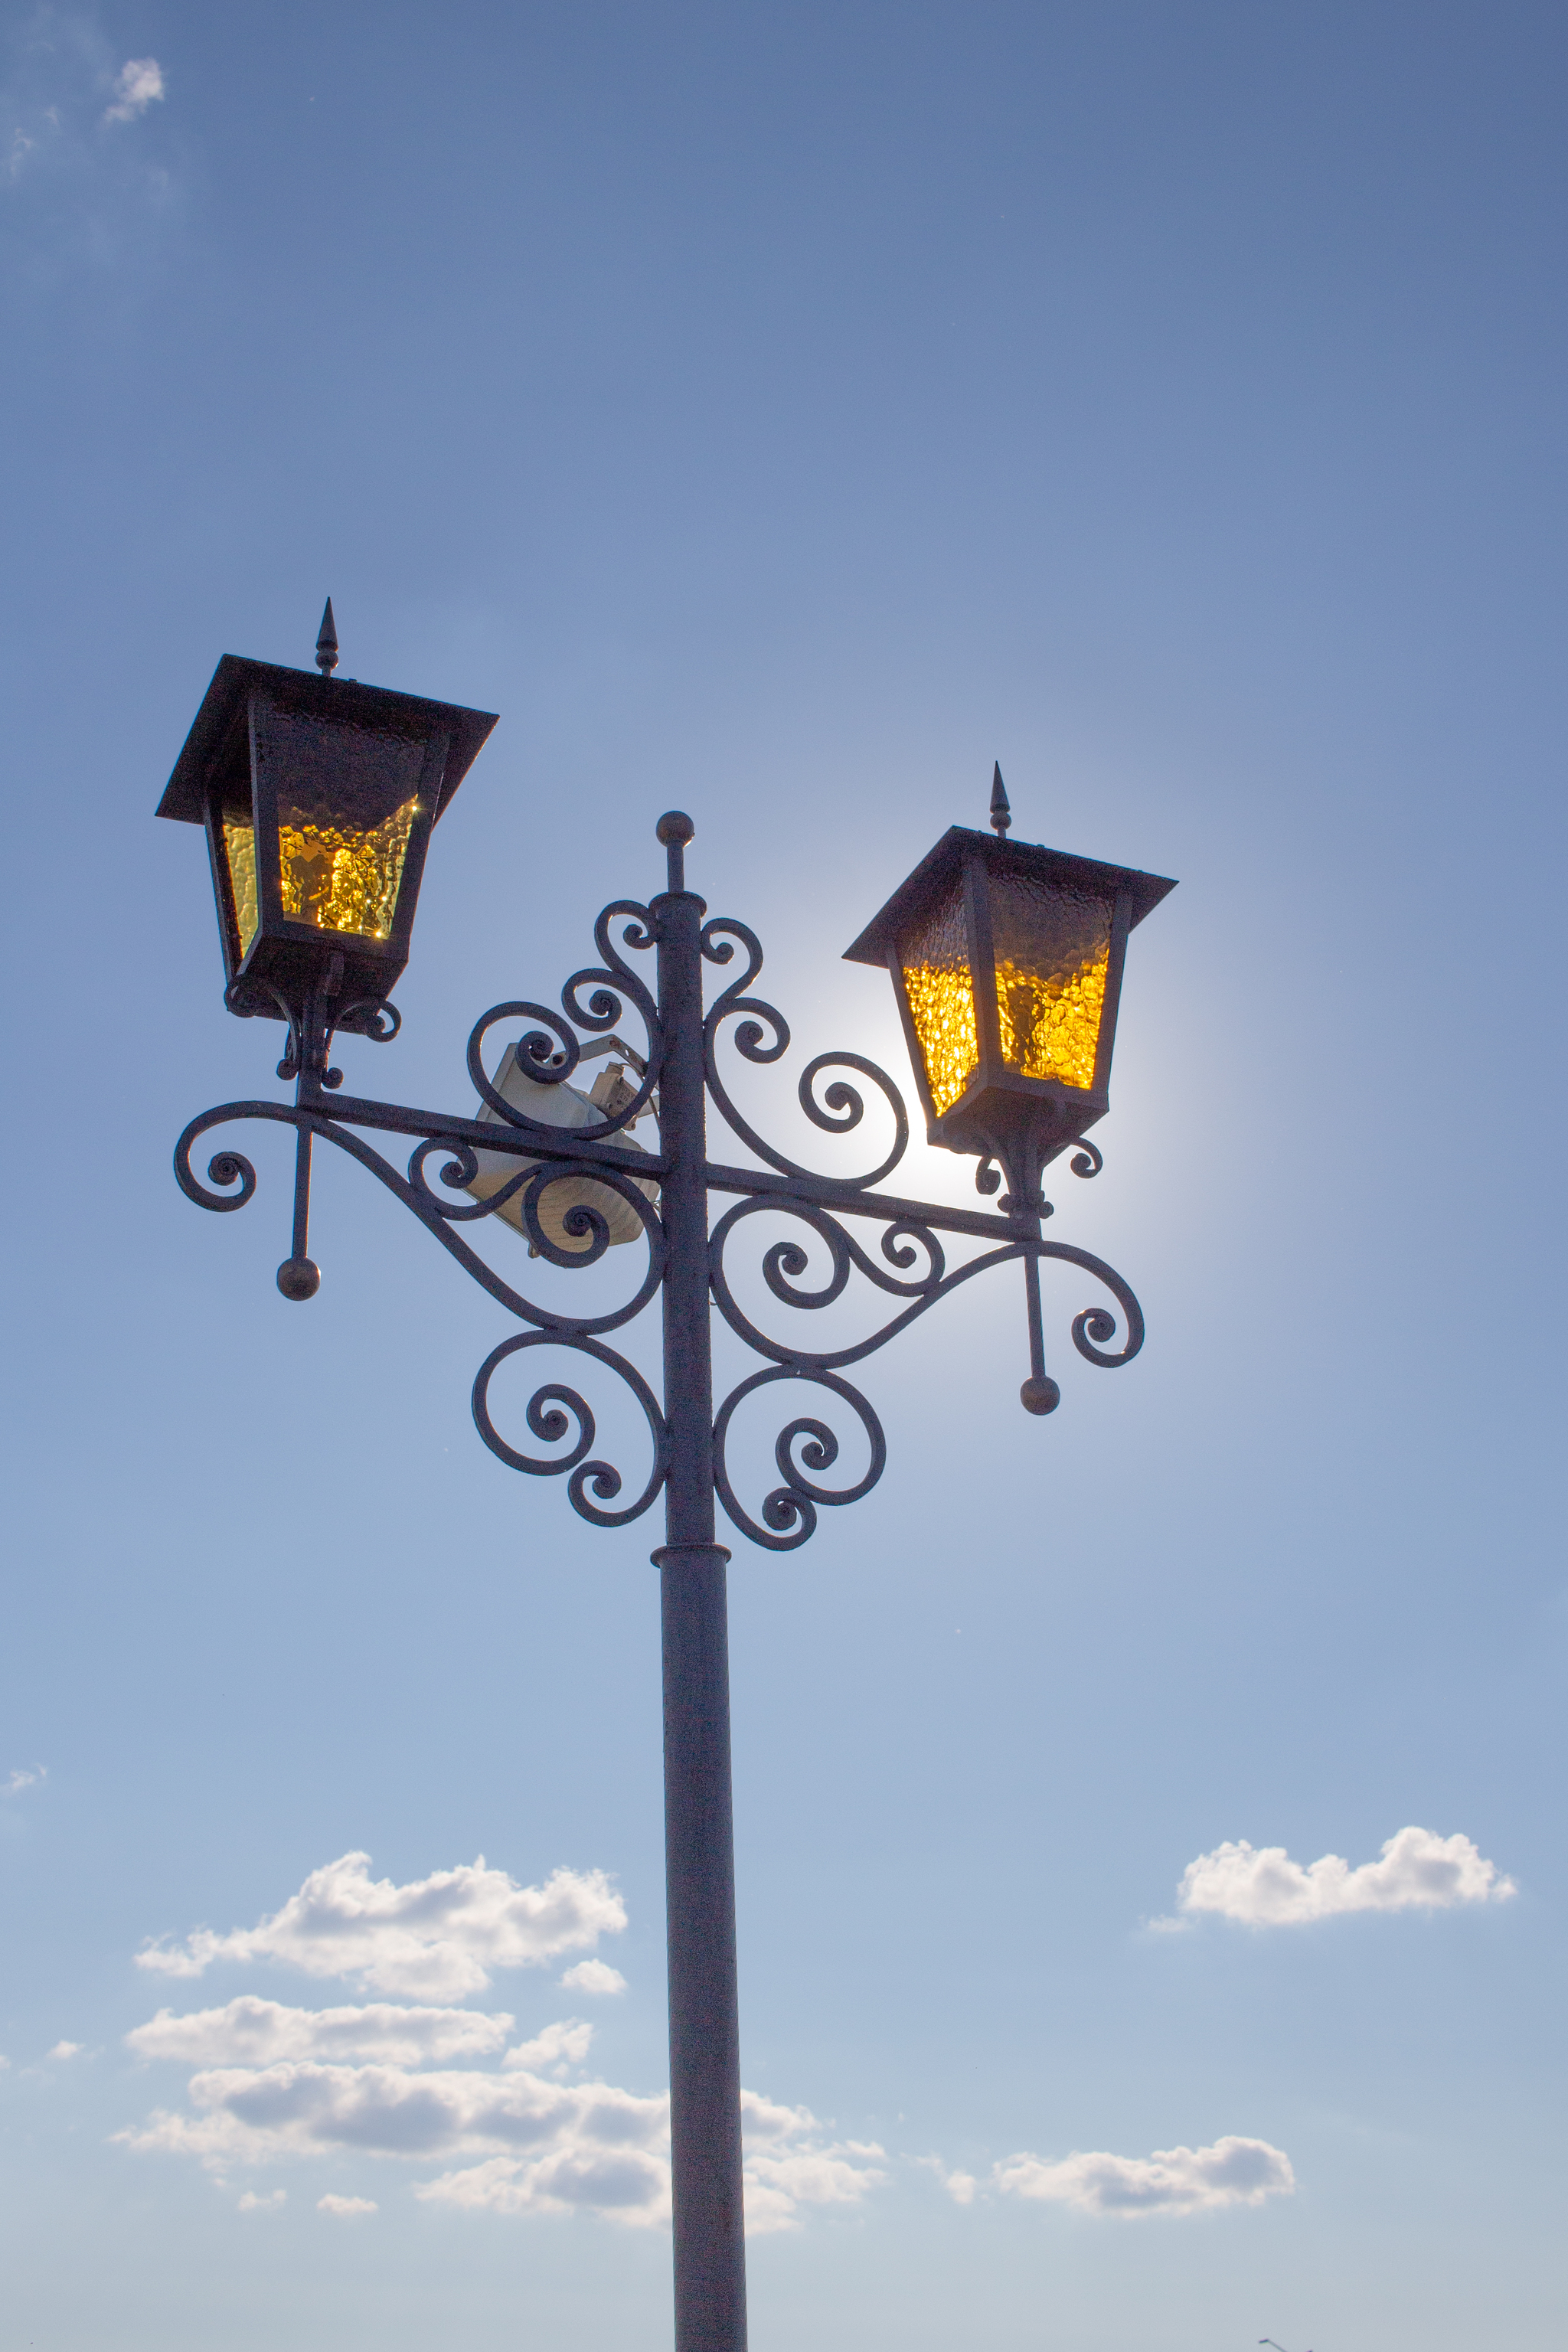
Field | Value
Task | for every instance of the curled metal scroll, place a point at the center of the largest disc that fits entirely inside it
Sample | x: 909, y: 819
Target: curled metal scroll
x: 1095, y: 1326
x: 223, y: 1169
x: 785, y: 1262
x: 764, y: 1037
x: 555, y: 1412
x: 437, y: 1216
x: 549, y: 1053
x: 789, y: 1511
x: 582, y: 1222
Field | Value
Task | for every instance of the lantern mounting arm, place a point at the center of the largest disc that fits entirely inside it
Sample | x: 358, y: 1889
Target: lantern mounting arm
x: 906, y: 1263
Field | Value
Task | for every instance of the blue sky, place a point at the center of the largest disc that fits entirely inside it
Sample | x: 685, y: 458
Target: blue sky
x: 783, y: 412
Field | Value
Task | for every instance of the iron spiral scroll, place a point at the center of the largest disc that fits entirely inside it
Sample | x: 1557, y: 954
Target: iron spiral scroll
x: 906, y: 1264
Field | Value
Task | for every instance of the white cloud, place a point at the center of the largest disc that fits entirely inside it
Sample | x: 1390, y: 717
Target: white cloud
x: 346, y: 2208
x: 1419, y: 1871
x: 961, y: 2187
x: 254, y: 2202
x: 1173, y: 2180
x: 438, y: 1936
x: 139, y: 82
x: 68, y: 2050
x: 538, y: 2144
x: 788, y: 2166
x: 558, y: 2048
x: 593, y: 1976
x: 608, y: 2142
x: 22, y: 1778
x: 248, y: 2032
x: 626, y: 2184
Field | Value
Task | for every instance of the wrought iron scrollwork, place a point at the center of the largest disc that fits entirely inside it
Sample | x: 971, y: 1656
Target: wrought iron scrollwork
x: 906, y: 1264
x: 789, y: 1511
x: 549, y: 1053
x: 555, y: 1410
x: 842, y: 1106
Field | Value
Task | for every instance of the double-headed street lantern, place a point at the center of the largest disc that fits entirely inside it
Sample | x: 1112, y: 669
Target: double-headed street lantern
x: 319, y: 798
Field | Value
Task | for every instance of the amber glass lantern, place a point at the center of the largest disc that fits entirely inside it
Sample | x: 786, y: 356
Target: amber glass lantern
x: 318, y: 795
x: 1007, y: 961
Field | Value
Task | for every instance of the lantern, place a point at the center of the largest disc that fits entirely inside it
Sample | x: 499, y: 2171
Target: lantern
x: 1007, y: 960
x: 318, y: 795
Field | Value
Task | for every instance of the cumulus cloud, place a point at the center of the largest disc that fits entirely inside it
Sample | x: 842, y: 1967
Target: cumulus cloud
x: 608, y: 2142
x: 789, y: 2166
x: 67, y: 2050
x: 138, y: 83
x: 22, y: 1777
x: 256, y: 2201
x: 593, y: 1976
x: 248, y: 2032
x: 438, y: 1936
x: 1419, y: 1871
x: 1173, y: 2180
x: 961, y: 2187
x: 346, y: 2208
x: 533, y: 2141
x: 559, y: 2048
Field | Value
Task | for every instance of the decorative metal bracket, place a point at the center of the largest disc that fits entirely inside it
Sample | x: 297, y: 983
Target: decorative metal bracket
x: 907, y: 1264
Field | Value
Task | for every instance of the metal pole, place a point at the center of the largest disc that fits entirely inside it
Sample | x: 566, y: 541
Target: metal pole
x: 698, y: 1825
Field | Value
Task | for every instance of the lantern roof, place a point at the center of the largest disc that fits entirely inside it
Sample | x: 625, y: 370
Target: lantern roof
x: 222, y: 713
x: 944, y: 864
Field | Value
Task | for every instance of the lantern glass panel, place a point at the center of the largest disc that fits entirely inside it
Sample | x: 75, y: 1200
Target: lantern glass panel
x: 341, y: 856
x: 1052, y: 946
x: 239, y: 847
x: 940, y: 989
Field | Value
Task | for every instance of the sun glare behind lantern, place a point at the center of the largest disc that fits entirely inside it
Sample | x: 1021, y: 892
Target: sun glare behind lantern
x: 1007, y: 961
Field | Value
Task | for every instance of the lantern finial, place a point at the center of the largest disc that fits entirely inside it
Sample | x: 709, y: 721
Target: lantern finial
x: 327, y: 645
x: 1001, y: 815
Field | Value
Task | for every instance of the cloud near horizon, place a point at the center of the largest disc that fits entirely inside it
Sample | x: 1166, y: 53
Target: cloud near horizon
x: 1130, y: 2188
x: 517, y: 2127
x: 439, y: 1936
x: 544, y: 2146
x: 1262, y: 1887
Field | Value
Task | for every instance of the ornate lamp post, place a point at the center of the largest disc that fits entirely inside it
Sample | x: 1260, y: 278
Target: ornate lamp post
x: 319, y: 798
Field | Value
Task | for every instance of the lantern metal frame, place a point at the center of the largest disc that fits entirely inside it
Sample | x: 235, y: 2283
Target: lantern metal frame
x: 678, y: 1075
x: 225, y: 761
x: 1003, y: 1115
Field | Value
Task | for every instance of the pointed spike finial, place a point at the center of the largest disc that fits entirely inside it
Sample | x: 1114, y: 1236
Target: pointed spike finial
x: 327, y: 643
x: 1001, y: 815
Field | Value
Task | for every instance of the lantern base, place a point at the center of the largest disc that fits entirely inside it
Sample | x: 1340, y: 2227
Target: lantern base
x: 1023, y: 1126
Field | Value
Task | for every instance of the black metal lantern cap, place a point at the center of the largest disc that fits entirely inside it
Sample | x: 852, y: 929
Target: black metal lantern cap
x: 318, y: 795
x: 1007, y: 960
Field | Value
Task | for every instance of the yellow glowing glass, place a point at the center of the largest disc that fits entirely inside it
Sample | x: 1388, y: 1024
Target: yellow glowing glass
x: 1053, y: 948
x: 343, y: 877
x: 941, y: 991
x: 239, y: 841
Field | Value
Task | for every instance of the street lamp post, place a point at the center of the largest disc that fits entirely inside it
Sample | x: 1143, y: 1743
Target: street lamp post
x: 319, y: 797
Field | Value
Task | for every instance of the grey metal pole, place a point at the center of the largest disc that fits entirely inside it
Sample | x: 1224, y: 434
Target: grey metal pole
x: 699, y: 1821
